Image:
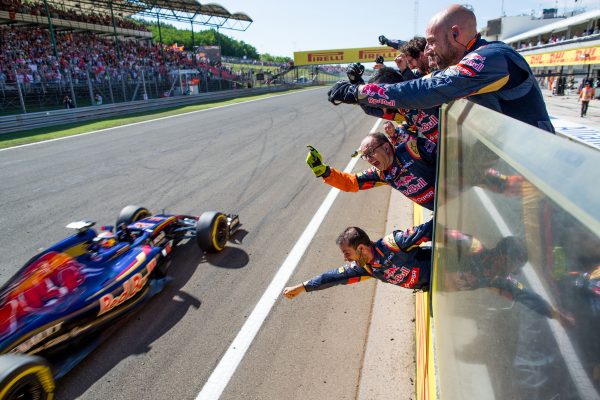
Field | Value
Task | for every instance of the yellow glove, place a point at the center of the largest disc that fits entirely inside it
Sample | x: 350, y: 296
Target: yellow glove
x: 314, y: 159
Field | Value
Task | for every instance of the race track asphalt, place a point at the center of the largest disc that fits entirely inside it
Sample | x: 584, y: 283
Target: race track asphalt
x: 248, y: 159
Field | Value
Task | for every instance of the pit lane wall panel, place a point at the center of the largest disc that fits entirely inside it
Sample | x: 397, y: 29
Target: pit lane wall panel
x: 425, y: 387
x: 344, y: 56
x: 515, y: 296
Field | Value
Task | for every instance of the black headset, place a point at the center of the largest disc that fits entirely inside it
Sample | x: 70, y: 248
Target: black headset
x: 454, y: 36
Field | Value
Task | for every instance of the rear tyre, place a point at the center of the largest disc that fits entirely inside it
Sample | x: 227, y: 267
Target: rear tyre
x: 131, y: 214
x: 25, y: 377
x: 212, y: 231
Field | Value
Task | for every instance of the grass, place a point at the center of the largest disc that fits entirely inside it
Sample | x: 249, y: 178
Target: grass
x: 301, y: 71
x: 248, y: 67
x: 41, y: 134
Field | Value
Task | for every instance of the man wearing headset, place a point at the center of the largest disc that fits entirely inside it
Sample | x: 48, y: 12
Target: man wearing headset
x: 491, y: 74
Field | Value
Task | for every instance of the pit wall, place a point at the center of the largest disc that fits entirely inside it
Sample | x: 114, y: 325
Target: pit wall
x: 514, y: 306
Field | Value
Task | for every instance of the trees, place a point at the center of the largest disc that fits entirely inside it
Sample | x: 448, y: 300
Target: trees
x: 183, y: 37
x: 277, y: 59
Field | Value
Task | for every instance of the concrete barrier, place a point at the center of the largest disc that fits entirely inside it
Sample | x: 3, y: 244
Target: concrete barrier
x: 23, y: 122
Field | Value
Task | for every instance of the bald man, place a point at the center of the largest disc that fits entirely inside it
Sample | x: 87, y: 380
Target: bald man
x: 488, y: 73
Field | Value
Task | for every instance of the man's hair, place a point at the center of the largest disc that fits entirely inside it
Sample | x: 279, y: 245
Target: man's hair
x: 414, y: 47
x: 353, y: 236
x: 386, y: 75
x: 380, y: 138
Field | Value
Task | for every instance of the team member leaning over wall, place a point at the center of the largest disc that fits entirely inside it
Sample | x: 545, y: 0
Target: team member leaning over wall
x: 409, y: 167
x: 488, y: 73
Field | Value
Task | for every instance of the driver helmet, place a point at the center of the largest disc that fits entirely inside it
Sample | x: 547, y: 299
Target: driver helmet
x: 105, y: 239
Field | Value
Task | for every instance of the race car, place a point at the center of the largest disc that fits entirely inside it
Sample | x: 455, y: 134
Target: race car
x: 55, y: 309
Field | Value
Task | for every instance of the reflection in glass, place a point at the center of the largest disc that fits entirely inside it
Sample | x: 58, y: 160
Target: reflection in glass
x: 516, y: 286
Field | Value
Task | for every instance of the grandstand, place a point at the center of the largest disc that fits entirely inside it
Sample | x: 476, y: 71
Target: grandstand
x: 82, y: 49
x: 566, y: 52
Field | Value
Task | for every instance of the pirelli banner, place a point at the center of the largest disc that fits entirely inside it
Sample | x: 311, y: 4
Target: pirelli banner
x: 344, y: 56
x: 581, y: 56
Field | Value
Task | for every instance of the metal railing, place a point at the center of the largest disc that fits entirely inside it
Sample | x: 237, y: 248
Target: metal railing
x: 21, y: 122
x: 49, y: 90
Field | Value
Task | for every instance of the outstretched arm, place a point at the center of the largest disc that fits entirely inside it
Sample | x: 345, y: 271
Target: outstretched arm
x: 346, y: 275
x: 292, y: 291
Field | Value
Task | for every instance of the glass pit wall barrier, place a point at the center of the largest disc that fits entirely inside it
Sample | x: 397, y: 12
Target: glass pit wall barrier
x: 515, y: 297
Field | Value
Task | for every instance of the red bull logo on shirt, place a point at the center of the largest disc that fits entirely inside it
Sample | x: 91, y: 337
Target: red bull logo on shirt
x: 372, y: 89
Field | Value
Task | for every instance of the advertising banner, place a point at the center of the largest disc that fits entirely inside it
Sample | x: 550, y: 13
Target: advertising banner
x: 581, y: 56
x: 344, y: 56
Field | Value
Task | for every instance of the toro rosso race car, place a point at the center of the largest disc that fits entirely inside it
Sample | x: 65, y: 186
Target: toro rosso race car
x: 54, y: 310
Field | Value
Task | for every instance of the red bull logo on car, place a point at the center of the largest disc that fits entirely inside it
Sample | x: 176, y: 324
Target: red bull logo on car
x: 49, y: 278
x: 131, y: 287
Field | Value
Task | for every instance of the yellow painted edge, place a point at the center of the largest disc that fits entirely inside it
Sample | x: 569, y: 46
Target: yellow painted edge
x: 422, y: 343
x: 425, y: 375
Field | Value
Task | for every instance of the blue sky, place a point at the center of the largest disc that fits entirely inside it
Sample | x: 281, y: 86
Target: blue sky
x: 281, y: 27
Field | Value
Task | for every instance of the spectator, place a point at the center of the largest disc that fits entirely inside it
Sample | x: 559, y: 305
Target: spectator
x: 98, y: 99
x: 68, y: 102
x: 586, y: 95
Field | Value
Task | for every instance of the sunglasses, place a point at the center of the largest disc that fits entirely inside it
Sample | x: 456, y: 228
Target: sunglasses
x: 369, y: 154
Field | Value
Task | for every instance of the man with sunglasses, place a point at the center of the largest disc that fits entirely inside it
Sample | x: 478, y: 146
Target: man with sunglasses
x: 409, y: 167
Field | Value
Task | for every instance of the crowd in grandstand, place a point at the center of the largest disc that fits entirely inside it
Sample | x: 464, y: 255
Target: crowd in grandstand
x: 38, y: 8
x: 28, y: 57
x: 556, y: 39
x: 333, y: 69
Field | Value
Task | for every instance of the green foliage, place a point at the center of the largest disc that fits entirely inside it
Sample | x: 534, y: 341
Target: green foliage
x: 247, y: 67
x: 229, y: 46
x: 277, y: 59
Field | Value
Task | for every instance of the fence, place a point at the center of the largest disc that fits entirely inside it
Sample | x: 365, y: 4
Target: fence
x: 79, y: 87
x: 515, y: 298
x: 21, y: 122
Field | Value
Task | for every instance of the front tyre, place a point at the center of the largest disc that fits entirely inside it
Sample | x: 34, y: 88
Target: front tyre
x: 25, y: 377
x: 212, y: 231
x: 131, y: 214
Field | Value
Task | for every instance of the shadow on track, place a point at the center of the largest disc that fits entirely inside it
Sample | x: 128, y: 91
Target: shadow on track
x: 136, y: 333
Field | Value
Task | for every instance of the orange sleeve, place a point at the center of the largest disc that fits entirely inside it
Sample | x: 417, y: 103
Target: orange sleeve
x: 342, y: 180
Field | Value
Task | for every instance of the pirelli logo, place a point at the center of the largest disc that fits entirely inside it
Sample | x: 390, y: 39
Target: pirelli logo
x: 370, y: 55
x: 343, y: 56
x: 326, y: 56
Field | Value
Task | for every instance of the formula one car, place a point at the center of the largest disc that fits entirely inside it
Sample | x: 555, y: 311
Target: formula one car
x: 54, y: 310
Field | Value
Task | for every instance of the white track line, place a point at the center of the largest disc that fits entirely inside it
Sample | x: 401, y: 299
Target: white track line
x: 218, y: 380
x: 148, y: 121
